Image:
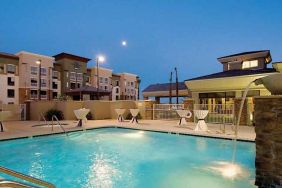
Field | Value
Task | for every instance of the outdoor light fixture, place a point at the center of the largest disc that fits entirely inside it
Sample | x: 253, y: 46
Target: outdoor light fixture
x: 99, y: 59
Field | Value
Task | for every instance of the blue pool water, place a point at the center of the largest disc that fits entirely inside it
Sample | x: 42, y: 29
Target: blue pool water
x: 113, y: 157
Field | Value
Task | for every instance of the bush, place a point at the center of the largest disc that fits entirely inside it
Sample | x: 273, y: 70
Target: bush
x: 89, y: 116
x: 129, y: 116
x: 48, y: 115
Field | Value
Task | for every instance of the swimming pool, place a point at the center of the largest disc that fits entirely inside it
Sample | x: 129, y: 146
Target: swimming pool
x: 114, y: 157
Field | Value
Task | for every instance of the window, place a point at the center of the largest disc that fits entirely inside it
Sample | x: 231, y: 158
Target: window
x: 78, y: 85
x: 88, y: 79
x: 106, y: 88
x: 11, y: 69
x: 117, y: 90
x: 43, y: 94
x: 101, y: 79
x: 79, y: 77
x: 54, y: 85
x: 55, y: 74
x: 249, y: 64
x: 117, y: 83
x: 11, y: 81
x: 117, y: 98
x: 55, y: 95
x: 72, y: 76
x: 11, y: 93
x: 72, y: 85
x: 43, y: 83
x: 106, y: 80
x: 43, y: 71
x: 33, y: 94
x: 33, y: 82
x: 132, y: 84
x: 1, y: 68
x: 33, y: 70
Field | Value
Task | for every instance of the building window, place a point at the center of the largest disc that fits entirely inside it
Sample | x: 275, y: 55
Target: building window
x: 72, y: 85
x: 72, y: 76
x: 101, y: 79
x: 78, y: 85
x: 88, y: 79
x: 79, y: 76
x: 33, y: 82
x: 55, y: 95
x: 43, y: 94
x: 249, y: 64
x: 55, y: 74
x: 11, y: 81
x: 43, y: 83
x: 33, y: 70
x: 106, y: 80
x: 43, y: 71
x: 54, y: 85
x: 117, y: 90
x: 106, y: 88
x: 33, y: 94
x: 132, y: 84
x: 117, y: 83
x: 11, y: 93
x: 11, y: 69
x: 117, y: 98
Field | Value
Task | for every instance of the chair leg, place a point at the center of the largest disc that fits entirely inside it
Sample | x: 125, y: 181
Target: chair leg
x: 180, y: 121
x: 1, y: 125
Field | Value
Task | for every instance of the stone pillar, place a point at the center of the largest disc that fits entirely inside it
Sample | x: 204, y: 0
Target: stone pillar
x: 244, y: 115
x: 268, y: 128
x: 189, y: 104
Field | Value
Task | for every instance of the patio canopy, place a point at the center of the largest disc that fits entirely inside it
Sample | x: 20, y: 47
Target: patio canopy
x: 92, y: 91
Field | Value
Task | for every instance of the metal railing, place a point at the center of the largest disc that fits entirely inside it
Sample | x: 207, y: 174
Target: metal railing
x: 54, y: 117
x: 166, y: 111
x: 36, y: 181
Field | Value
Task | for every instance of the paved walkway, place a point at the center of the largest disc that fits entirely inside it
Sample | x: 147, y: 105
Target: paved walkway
x: 18, y: 129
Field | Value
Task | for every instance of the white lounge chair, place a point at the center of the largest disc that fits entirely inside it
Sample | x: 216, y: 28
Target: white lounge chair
x: 120, y: 112
x: 134, y: 113
x: 183, y: 114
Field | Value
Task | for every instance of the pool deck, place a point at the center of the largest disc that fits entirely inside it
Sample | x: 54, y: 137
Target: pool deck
x: 21, y: 129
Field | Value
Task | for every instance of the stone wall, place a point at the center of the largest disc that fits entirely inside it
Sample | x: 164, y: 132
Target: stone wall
x: 268, y: 127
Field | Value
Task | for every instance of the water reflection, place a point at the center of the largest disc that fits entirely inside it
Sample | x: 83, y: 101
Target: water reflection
x: 36, y: 166
x: 102, y: 172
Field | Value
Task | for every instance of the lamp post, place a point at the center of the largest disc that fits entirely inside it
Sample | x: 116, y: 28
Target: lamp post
x: 38, y: 62
x: 176, y: 75
x: 170, y: 87
x: 99, y: 59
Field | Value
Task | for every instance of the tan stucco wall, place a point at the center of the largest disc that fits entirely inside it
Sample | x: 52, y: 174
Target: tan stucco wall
x: 98, y: 109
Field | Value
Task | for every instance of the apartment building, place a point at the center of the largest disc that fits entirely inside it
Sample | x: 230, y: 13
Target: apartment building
x: 129, y: 86
x: 9, y: 78
x: 35, y: 72
x: 72, y: 71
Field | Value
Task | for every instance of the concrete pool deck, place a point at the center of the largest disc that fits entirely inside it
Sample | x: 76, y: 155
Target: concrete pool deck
x: 21, y: 129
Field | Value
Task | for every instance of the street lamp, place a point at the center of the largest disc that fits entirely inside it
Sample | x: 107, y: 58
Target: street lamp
x: 176, y: 75
x: 99, y: 59
x: 38, y: 62
x: 170, y: 87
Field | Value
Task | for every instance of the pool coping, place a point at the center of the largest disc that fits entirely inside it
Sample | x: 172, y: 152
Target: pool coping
x: 130, y: 128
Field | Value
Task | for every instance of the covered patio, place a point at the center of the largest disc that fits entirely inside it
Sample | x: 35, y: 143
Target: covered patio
x: 88, y: 93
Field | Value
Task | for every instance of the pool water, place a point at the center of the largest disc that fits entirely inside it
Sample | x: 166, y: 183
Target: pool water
x: 113, y: 157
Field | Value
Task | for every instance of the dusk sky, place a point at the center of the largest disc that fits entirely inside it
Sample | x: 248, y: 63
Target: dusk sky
x: 161, y: 34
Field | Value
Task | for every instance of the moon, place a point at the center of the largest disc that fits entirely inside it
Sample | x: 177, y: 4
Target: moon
x: 123, y: 43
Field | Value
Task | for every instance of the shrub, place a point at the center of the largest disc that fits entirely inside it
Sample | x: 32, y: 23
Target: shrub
x: 89, y: 116
x: 129, y: 116
x: 48, y: 115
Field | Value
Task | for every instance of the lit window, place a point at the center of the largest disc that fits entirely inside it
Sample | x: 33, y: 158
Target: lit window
x: 249, y: 64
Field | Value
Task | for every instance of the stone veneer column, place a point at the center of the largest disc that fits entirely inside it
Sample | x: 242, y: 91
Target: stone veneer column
x: 268, y: 128
x: 244, y: 115
x: 189, y: 104
x: 149, y: 109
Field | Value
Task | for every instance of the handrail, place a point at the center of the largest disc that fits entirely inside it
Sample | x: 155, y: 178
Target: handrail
x: 43, y: 117
x: 55, y: 117
x: 25, y: 177
x: 13, y: 184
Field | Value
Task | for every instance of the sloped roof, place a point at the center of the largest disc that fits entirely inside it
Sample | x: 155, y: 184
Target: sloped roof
x: 164, y: 87
x: 232, y: 73
x: 7, y: 55
x: 70, y: 56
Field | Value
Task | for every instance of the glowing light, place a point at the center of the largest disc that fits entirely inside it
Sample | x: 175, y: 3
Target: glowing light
x: 101, y: 58
x: 229, y: 170
x: 123, y: 43
x: 38, y: 62
x: 138, y: 134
